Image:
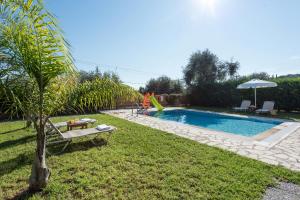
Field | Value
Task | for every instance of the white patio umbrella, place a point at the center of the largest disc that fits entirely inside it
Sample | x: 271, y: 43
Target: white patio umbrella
x: 256, y: 83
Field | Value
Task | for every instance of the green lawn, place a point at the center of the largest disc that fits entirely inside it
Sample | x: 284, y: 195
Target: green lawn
x: 136, y: 163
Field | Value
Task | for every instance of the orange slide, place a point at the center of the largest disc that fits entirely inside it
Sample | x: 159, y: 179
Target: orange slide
x: 146, y: 101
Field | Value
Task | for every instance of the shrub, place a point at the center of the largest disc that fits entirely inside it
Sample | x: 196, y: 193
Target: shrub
x: 175, y: 99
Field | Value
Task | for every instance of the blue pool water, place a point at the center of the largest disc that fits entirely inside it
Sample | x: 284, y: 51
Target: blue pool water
x: 231, y: 124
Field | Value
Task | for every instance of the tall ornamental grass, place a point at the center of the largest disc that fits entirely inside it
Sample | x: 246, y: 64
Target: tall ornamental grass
x: 101, y: 94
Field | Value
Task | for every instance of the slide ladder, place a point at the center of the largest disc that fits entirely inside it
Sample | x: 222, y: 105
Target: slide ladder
x: 146, y: 101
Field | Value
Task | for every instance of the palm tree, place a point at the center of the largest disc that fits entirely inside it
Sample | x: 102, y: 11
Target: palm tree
x: 31, y: 40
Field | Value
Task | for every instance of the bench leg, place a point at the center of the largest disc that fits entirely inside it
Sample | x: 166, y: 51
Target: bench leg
x: 59, y: 152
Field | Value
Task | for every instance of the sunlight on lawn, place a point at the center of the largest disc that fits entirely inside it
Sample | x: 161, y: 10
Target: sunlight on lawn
x: 136, y: 163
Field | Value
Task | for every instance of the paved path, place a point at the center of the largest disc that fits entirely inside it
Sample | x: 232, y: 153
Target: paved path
x: 285, y: 153
x: 283, y: 191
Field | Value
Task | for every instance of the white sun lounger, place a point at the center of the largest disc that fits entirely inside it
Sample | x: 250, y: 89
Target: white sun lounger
x: 244, y: 106
x: 55, y: 136
x: 63, y: 124
x: 268, y: 106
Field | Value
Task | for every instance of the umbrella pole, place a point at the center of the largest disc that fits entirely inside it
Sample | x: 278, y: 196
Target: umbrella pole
x: 255, y: 97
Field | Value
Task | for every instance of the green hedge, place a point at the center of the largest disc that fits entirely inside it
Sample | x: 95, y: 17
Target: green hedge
x: 225, y: 94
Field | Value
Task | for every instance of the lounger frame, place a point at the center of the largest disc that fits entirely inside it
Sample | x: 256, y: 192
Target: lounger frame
x: 55, y: 136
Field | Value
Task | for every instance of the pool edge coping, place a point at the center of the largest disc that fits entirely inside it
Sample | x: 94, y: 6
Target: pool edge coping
x: 276, y: 137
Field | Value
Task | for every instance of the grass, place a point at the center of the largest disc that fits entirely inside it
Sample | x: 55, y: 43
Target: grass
x: 137, y: 163
x: 282, y: 115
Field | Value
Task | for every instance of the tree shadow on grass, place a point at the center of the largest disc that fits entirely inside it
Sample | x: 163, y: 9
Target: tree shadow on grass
x: 21, y: 160
x: 83, y: 146
x: 11, y: 131
x: 25, y: 159
x: 18, y: 141
x: 24, y: 194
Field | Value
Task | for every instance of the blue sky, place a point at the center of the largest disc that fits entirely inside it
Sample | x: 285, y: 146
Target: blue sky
x: 141, y: 39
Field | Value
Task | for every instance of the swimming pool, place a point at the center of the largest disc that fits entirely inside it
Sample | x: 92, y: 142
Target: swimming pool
x: 246, y: 126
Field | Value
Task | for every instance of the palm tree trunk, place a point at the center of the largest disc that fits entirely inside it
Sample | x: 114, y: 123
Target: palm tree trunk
x: 40, y: 172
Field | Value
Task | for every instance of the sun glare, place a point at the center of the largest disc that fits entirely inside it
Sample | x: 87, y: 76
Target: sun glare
x: 206, y: 6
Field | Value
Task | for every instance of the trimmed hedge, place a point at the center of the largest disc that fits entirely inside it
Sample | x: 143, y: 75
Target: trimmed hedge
x: 225, y: 94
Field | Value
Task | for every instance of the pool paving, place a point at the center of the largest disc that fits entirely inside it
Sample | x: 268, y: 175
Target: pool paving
x: 286, y: 152
x: 282, y: 190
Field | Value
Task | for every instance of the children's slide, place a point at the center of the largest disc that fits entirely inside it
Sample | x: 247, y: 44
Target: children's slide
x: 156, y: 104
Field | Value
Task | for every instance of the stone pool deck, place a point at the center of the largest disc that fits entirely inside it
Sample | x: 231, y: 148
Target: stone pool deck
x: 286, y: 152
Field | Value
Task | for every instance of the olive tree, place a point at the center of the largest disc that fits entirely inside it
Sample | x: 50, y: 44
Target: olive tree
x: 205, y: 67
